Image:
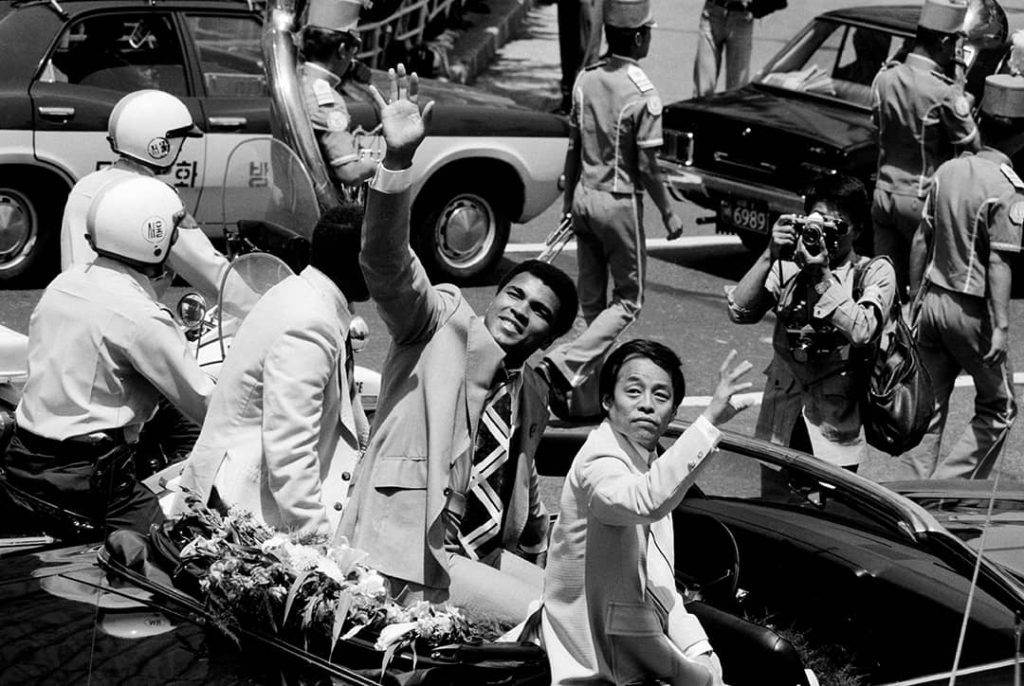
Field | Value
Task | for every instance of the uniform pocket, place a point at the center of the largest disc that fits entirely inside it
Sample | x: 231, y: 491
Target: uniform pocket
x: 632, y: 619
x: 408, y: 473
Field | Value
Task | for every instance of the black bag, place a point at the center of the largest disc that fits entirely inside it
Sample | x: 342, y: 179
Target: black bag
x: 898, y: 401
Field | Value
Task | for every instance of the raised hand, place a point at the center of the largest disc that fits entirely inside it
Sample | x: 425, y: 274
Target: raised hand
x: 724, y: 406
x: 404, y: 124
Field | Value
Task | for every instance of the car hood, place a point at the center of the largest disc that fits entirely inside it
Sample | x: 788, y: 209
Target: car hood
x: 794, y: 113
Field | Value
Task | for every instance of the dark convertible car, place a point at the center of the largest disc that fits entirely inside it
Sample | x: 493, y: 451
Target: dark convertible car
x: 823, y: 578
x: 747, y: 154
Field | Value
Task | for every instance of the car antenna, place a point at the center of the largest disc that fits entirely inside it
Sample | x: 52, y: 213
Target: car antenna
x: 52, y: 4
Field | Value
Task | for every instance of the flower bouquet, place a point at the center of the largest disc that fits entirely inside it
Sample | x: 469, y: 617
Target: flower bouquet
x: 306, y: 591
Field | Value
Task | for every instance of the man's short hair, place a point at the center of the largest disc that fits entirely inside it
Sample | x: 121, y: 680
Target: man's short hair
x: 320, y: 44
x: 843, y: 192
x: 562, y: 286
x: 661, y: 355
x: 334, y: 249
x: 931, y: 40
x: 621, y: 40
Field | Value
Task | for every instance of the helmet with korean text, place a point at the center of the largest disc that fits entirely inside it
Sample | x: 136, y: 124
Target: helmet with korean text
x: 134, y: 220
x: 628, y: 14
x: 150, y: 126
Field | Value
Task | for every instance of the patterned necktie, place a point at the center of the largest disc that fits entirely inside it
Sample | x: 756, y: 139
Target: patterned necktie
x: 480, y: 530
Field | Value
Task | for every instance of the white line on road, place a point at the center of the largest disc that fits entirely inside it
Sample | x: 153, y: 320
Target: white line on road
x: 755, y: 398
x: 652, y: 243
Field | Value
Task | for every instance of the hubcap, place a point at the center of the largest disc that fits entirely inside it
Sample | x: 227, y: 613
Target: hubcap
x: 465, y: 231
x: 17, y: 227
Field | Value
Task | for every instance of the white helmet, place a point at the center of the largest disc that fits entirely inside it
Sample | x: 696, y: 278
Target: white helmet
x: 132, y: 220
x: 150, y: 126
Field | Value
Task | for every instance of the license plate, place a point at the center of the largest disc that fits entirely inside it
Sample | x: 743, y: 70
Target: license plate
x: 747, y: 215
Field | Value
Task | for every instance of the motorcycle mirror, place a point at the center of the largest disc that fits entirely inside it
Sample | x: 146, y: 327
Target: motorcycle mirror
x: 192, y: 311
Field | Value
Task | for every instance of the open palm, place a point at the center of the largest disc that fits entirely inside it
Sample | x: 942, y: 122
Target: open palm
x: 403, y: 123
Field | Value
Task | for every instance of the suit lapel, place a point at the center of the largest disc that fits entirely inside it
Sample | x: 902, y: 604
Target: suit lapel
x: 483, y: 357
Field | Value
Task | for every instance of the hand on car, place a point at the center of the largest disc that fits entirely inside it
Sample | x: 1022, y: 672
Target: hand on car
x: 404, y: 124
x: 723, y: 405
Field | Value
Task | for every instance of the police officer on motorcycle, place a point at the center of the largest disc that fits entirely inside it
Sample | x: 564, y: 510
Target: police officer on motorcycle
x: 147, y: 129
x: 102, y: 353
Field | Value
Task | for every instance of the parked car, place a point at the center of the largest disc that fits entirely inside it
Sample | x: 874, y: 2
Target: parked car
x: 489, y: 163
x: 747, y: 154
x: 826, y: 571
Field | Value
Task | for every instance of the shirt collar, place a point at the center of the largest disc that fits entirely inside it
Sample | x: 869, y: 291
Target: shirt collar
x: 997, y: 156
x: 134, y: 274
x: 646, y: 456
x: 623, y: 58
x: 316, y: 71
x: 918, y: 61
x: 330, y: 291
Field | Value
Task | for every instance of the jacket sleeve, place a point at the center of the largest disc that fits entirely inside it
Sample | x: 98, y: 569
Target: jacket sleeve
x: 194, y: 259
x: 158, y: 351
x: 860, y: 320
x: 620, y: 497
x: 410, y: 306
x: 297, y: 370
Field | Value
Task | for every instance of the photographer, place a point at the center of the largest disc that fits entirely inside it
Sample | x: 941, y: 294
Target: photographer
x: 808, y: 276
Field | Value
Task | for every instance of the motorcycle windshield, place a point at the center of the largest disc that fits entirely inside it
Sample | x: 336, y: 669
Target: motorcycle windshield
x: 265, y: 182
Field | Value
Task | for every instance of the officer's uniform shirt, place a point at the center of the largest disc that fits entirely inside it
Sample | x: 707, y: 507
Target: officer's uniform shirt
x: 328, y: 114
x: 192, y: 257
x: 921, y: 114
x: 101, y: 352
x: 976, y: 205
x: 617, y: 111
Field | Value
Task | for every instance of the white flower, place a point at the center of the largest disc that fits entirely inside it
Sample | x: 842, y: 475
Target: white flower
x: 330, y: 568
x: 393, y: 633
x: 370, y: 583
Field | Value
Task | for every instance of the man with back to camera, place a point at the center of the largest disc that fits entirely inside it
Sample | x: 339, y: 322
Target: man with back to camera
x: 285, y: 425
x: 808, y: 278
x: 923, y: 117
x: 612, y: 158
x: 970, y: 230
x: 102, y: 352
x: 446, y: 500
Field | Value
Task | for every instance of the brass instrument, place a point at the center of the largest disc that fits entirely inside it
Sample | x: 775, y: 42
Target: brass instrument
x: 557, y: 239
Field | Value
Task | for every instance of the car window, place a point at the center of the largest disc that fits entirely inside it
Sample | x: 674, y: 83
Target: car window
x: 834, y: 60
x: 120, y: 52
x: 732, y: 475
x: 229, y: 55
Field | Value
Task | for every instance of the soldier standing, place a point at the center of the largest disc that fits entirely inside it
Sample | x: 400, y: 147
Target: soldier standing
x: 923, y: 117
x: 613, y: 143
x: 970, y: 228
x: 329, y: 44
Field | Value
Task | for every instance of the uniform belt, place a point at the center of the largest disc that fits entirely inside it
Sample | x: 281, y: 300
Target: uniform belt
x: 93, y: 443
x: 731, y: 5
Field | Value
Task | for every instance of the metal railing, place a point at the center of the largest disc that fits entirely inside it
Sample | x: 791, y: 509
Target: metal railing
x: 407, y: 23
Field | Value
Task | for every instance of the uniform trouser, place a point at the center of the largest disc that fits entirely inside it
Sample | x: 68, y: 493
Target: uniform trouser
x: 167, y: 438
x: 609, y: 241
x: 895, y: 219
x: 722, y: 30
x: 953, y: 335
x: 96, y: 482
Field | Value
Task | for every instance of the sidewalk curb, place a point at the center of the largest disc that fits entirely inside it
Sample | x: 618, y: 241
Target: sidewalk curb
x: 476, y: 47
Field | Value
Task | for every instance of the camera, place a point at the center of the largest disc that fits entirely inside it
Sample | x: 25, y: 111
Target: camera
x: 818, y: 232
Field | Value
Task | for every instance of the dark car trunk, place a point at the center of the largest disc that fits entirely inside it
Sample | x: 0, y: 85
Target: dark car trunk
x: 778, y: 139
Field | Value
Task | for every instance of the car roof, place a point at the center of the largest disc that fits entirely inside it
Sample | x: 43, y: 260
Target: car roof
x: 896, y: 18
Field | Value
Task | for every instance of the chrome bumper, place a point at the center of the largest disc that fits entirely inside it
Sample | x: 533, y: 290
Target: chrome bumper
x: 692, y: 183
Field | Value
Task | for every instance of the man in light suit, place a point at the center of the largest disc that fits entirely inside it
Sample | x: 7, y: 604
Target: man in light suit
x: 417, y: 478
x: 285, y: 427
x: 611, y: 611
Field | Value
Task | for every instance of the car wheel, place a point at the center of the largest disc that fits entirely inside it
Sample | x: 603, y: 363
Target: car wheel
x: 461, y: 231
x: 27, y: 233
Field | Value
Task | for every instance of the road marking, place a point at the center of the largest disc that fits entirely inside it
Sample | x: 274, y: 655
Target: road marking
x: 755, y: 398
x: 652, y: 244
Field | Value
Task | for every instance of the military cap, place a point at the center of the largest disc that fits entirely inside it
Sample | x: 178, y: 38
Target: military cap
x: 334, y: 15
x: 628, y: 14
x: 945, y: 16
x: 1004, y: 96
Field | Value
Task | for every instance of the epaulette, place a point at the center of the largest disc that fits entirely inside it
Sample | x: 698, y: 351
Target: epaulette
x: 639, y: 78
x: 1011, y: 176
x: 941, y: 76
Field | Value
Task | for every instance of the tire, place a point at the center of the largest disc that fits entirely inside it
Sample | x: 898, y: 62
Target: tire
x: 29, y: 228
x: 461, y: 230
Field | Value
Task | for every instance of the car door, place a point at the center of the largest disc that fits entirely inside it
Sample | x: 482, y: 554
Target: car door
x: 97, y: 60
x: 225, y: 48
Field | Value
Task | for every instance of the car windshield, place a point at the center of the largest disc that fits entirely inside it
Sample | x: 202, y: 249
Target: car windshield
x: 835, y: 61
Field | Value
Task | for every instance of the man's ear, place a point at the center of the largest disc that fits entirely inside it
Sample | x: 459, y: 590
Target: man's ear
x: 606, y: 403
